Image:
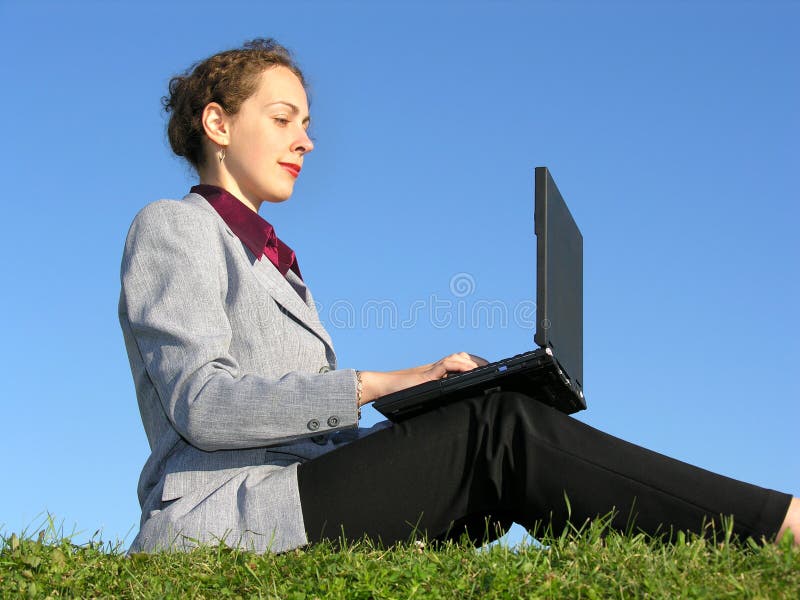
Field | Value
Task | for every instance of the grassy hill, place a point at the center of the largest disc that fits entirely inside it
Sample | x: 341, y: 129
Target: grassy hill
x: 578, y: 564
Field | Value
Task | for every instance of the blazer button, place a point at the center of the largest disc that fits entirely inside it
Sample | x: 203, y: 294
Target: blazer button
x: 324, y: 369
x: 333, y: 421
x: 313, y: 425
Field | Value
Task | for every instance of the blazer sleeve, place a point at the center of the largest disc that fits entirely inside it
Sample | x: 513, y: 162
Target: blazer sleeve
x: 174, y: 284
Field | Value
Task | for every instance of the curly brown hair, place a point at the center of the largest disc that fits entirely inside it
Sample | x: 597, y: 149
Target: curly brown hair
x: 227, y: 78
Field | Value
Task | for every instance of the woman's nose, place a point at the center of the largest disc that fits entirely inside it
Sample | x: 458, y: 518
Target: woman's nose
x: 303, y: 143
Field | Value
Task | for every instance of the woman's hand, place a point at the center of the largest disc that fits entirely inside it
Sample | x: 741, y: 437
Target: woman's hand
x: 376, y: 384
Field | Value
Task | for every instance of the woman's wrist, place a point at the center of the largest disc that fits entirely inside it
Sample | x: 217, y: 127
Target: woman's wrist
x: 372, y: 384
x: 364, y: 387
x: 375, y: 384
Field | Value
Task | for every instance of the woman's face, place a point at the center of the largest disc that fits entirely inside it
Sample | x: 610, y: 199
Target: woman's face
x: 268, y: 139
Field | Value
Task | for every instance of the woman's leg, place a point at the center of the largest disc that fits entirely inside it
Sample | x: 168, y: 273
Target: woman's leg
x: 510, y: 458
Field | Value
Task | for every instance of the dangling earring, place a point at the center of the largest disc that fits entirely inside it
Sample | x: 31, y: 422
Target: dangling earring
x: 221, y: 155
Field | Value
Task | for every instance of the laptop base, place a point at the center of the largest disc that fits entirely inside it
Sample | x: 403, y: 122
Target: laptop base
x: 536, y: 374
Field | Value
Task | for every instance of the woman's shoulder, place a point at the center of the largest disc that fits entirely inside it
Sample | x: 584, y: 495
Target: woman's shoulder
x: 191, y: 215
x: 191, y: 208
x: 190, y: 223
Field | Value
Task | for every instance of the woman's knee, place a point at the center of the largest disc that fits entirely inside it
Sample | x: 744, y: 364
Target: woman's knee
x: 515, y: 405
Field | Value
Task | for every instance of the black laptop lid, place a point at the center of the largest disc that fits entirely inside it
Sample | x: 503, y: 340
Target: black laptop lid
x: 559, y: 275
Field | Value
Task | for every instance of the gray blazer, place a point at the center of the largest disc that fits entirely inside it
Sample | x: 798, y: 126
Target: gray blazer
x: 236, y: 383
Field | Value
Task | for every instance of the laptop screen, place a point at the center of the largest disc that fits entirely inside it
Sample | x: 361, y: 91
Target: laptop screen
x: 559, y: 277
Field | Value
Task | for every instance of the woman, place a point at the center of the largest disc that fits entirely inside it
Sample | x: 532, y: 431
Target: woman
x: 254, y: 432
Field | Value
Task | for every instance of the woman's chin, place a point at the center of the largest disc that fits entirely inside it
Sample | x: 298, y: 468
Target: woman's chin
x: 282, y: 194
x: 277, y: 199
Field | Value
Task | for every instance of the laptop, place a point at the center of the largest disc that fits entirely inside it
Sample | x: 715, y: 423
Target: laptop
x: 553, y: 372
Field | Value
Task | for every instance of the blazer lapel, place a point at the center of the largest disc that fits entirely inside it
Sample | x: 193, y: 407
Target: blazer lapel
x: 287, y: 296
x: 281, y: 290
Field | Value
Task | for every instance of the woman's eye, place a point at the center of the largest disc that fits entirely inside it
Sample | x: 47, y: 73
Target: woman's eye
x: 281, y: 121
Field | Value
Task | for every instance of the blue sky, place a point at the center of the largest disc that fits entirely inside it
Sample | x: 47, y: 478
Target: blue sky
x: 671, y: 129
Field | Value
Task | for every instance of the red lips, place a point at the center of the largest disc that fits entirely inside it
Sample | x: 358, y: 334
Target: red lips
x: 293, y: 169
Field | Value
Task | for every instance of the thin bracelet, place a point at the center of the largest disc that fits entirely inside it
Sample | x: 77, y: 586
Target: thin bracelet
x: 359, y: 390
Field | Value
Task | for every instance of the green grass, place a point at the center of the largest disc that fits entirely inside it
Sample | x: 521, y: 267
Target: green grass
x: 577, y: 564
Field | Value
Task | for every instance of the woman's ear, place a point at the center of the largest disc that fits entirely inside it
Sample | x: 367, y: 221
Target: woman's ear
x: 216, y: 124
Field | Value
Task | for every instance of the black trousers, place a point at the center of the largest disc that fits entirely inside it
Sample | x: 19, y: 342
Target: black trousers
x: 506, y: 458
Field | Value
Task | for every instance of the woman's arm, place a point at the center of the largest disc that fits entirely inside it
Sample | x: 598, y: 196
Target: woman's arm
x: 173, y: 309
x: 376, y: 384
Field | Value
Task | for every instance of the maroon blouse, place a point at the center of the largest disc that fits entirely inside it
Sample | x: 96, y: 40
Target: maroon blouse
x: 255, y: 232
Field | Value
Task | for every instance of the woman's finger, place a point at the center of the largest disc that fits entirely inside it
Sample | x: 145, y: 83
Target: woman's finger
x: 460, y: 361
x: 480, y: 361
